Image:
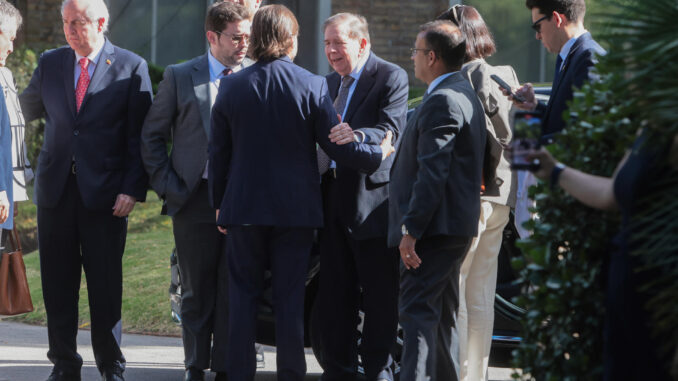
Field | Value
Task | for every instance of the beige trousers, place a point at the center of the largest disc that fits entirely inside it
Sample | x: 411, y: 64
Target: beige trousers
x: 477, y: 285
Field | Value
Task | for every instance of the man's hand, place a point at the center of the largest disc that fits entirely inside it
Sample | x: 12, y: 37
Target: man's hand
x: 386, y: 146
x: 123, y: 205
x: 407, y: 253
x: 4, y: 207
x: 342, y: 134
x: 527, y: 92
x: 221, y: 229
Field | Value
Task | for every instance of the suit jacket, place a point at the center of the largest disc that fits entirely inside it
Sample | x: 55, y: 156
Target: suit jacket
x: 103, y: 138
x: 180, y: 115
x: 576, y: 70
x: 436, y: 174
x: 378, y: 104
x: 263, y: 166
x: 500, y: 182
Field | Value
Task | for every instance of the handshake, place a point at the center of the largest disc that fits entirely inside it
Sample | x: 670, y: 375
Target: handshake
x: 342, y: 133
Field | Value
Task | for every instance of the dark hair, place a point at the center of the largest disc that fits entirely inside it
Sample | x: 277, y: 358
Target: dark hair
x: 446, y: 40
x: 574, y: 10
x: 356, y: 25
x: 273, y: 31
x: 220, y: 14
x: 479, y: 40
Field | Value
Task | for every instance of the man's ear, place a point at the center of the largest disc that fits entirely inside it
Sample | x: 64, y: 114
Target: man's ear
x: 363, y: 45
x: 431, y: 57
x: 211, y: 37
x: 559, y: 19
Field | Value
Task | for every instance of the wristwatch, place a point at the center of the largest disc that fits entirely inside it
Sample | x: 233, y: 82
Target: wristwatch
x: 555, y: 174
x: 403, y: 229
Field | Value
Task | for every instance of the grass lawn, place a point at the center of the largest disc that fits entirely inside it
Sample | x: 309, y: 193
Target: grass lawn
x: 146, y: 272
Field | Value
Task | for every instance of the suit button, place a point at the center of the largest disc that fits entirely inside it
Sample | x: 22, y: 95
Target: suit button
x: 76, y: 132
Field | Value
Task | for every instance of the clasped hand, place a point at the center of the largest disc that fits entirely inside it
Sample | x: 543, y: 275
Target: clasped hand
x: 342, y: 134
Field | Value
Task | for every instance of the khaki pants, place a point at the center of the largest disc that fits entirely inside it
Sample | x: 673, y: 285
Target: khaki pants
x: 477, y: 286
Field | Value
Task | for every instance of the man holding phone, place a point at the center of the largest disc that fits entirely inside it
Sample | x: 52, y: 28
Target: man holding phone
x: 559, y: 25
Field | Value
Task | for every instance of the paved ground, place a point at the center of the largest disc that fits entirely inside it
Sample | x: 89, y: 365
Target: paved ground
x: 23, y: 351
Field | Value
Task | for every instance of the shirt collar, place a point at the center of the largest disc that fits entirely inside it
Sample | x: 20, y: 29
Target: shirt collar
x: 565, y: 50
x: 437, y: 81
x: 216, y: 67
x: 94, y: 55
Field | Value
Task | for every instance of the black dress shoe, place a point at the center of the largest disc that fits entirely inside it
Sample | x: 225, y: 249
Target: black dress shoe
x: 112, y: 374
x: 221, y: 376
x: 63, y: 375
x: 193, y: 374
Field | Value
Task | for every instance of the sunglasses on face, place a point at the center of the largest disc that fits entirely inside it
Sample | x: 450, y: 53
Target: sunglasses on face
x: 537, y: 24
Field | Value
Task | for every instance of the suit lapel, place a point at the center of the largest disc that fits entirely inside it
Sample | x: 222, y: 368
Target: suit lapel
x: 333, y: 83
x: 69, y: 80
x: 566, y: 64
x: 106, y: 60
x: 365, y: 83
x: 201, y: 87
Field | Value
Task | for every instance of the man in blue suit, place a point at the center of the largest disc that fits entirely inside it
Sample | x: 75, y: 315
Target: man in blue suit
x: 370, y: 94
x: 263, y: 178
x: 94, y: 97
x: 559, y: 25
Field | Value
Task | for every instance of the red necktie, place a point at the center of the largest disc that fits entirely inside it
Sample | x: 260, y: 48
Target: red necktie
x: 226, y: 72
x: 83, y: 82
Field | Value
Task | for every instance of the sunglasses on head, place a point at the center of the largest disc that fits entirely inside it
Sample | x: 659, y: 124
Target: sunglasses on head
x: 455, y: 13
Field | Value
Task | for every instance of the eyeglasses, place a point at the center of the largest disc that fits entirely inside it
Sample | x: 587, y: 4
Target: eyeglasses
x: 453, y: 10
x: 236, y: 39
x: 414, y: 51
x: 537, y: 24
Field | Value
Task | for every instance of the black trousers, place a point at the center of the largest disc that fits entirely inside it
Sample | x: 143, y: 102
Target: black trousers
x: 251, y: 251
x: 204, y: 283
x: 71, y: 237
x: 352, y: 271
x: 429, y: 298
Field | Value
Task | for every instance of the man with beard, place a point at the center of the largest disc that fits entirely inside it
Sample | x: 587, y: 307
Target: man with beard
x: 180, y: 115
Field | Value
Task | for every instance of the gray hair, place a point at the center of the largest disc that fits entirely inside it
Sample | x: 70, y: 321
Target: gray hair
x: 9, y: 13
x: 94, y: 9
x: 356, y: 25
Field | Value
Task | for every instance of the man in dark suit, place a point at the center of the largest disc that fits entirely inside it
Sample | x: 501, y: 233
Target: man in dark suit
x: 434, y: 202
x: 94, y: 97
x: 559, y: 25
x: 370, y: 95
x: 180, y: 114
x: 264, y: 181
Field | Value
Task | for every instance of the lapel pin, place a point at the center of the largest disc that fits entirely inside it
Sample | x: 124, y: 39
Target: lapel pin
x: 108, y: 62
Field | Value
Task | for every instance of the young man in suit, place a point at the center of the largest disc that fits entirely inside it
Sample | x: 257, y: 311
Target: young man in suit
x: 559, y: 25
x: 94, y: 97
x: 264, y: 181
x: 434, y: 202
x: 370, y: 95
x: 180, y: 115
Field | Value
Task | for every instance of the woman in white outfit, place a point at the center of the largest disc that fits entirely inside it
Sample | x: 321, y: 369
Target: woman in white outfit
x: 478, y: 276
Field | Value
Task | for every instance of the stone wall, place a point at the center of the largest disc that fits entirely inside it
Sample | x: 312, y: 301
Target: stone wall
x: 42, y: 27
x: 394, y: 25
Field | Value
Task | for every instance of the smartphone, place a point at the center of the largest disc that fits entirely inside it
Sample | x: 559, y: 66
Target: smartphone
x: 506, y: 87
x: 526, y: 138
